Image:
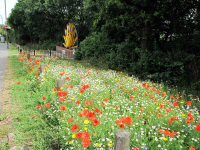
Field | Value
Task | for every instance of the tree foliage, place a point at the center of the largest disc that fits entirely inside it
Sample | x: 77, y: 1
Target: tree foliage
x: 156, y: 39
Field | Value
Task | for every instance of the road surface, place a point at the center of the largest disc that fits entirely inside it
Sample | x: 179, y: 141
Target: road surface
x: 3, y: 64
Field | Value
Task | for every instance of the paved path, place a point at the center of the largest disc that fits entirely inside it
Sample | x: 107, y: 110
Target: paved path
x: 3, y: 63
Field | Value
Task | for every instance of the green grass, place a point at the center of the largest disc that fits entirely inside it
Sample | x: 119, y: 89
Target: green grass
x: 148, y: 106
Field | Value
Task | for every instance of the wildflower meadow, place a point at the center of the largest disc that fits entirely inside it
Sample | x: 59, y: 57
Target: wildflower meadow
x: 93, y: 104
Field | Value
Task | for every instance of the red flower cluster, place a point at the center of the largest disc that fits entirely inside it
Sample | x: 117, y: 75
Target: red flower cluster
x: 91, y: 116
x: 62, y: 94
x: 123, y: 121
x: 85, y: 137
x: 190, y: 118
x: 172, y: 120
x: 37, y: 62
x: 75, y: 128
x: 197, y: 128
x: 84, y: 88
x: 168, y: 133
x: 87, y: 114
x: 88, y: 103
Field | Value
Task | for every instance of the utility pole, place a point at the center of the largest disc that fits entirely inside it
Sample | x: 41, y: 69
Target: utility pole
x: 6, y: 24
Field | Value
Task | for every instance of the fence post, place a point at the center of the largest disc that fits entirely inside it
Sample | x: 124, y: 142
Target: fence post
x: 122, y: 140
x: 20, y: 51
x: 50, y: 53
x: 34, y: 52
x: 28, y: 55
x: 60, y: 83
x: 42, y: 68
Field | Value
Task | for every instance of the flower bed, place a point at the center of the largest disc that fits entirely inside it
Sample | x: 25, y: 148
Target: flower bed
x: 94, y: 104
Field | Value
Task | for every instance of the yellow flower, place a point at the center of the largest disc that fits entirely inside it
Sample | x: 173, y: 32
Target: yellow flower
x: 184, y: 115
x: 165, y: 139
x: 85, y: 129
x: 110, y: 144
x: 71, y: 142
x: 98, y: 145
x: 86, y: 122
x: 74, y: 136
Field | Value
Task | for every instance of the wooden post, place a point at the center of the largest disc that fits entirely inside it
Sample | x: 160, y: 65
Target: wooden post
x: 122, y: 140
x: 20, y: 51
x: 50, y: 53
x: 28, y: 56
x: 42, y: 68
x: 34, y: 52
x: 60, y: 83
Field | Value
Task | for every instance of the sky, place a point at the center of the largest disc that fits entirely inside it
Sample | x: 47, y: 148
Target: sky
x: 9, y: 5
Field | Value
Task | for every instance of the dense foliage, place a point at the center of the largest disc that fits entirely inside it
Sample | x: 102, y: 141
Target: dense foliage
x: 158, y: 40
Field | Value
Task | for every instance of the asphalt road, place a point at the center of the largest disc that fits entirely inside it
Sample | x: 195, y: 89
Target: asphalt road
x: 3, y: 63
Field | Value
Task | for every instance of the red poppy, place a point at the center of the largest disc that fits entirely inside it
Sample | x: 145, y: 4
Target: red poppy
x: 91, y: 116
x: 18, y: 83
x: 96, y: 122
x: 169, y: 110
x: 192, y: 148
x: 162, y: 106
x: 48, y: 105
x: 173, y: 134
x: 197, y: 128
x: 189, y: 103
x: 87, y: 103
x: 127, y: 121
x: 38, y: 107
x: 79, y: 135
x: 70, y: 120
x: 170, y: 122
x: 62, y: 73
x: 122, y: 126
x: 136, y: 148
x: 176, y: 104
x: 44, y: 98
x: 167, y: 133
x: 37, y: 62
x: 107, y: 100
x: 68, y: 78
x: 78, y: 102
x: 98, y: 111
x: 86, y: 143
x: 84, y: 88
x: 75, y: 128
x: 63, y: 108
x: 86, y: 135
x: 190, y: 118
x: 162, y: 131
x: 71, y: 86
x: 62, y: 94
x: 62, y: 99
x: 118, y: 122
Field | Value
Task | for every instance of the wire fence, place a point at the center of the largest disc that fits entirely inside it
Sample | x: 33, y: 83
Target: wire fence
x: 65, y: 54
